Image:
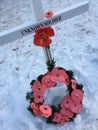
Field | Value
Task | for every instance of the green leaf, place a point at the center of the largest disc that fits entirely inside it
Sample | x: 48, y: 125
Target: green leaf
x: 50, y: 64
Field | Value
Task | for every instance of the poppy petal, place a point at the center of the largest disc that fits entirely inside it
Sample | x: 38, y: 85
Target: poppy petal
x: 66, y: 102
x: 57, y: 117
x: 48, y: 81
x: 36, y: 85
x: 76, y: 108
x: 67, y: 112
x: 38, y: 99
x: 45, y: 109
x: 73, y: 84
x: 50, y: 31
x: 77, y: 95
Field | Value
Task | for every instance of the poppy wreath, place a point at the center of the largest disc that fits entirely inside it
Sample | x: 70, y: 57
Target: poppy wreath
x: 71, y: 104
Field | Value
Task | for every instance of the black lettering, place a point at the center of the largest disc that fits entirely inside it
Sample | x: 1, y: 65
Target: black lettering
x: 37, y: 27
x: 49, y: 22
x: 32, y: 29
x: 60, y: 18
x: 54, y: 20
x: 26, y: 31
x: 41, y: 25
x: 57, y: 19
x: 46, y: 23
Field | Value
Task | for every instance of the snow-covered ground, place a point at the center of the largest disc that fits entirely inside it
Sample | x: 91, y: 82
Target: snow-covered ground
x: 74, y: 47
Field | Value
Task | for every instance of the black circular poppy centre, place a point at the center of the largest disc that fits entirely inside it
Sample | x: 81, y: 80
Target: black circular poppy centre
x: 48, y: 13
x: 45, y: 108
x: 67, y: 102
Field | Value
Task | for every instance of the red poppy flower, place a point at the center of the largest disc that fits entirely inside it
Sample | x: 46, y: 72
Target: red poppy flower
x: 60, y: 76
x: 38, y: 88
x: 46, y: 110
x: 73, y: 84
x: 57, y: 117
x: 49, y: 14
x: 67, y: 112
x: 77, y: 95
x: 39, y: 91
x: 66, y: 77
x: 64, y: 119
x: 48, y: 81
x: 36, y: 85
x: 35, y: 109
x: 57, y: 75
x: 38, y: 98
x: 47, y: 31
x: 76, y: 108
x: 41, y: 38
x: 66, y: 102
x: 34, y: 106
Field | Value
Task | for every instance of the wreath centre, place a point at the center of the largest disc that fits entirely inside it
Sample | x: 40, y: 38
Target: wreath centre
x: 55, y: 95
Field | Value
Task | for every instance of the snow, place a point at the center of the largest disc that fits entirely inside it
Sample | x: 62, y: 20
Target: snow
x: 74, y: 47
